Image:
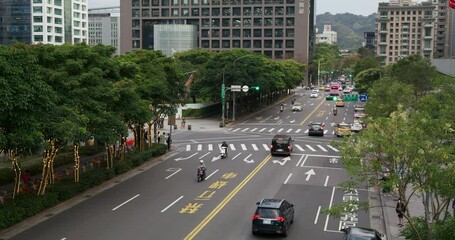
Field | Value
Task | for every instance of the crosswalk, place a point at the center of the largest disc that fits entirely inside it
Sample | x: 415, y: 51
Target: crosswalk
x: 274, y: 130
x: 260, y: 147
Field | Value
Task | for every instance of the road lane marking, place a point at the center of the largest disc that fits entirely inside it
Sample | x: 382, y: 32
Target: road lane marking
x: 304, y: 161
x: 127, y: 201
x: 300, y: 148
x: 211, y: 174
x: 322, y: 148
x: 170, y: 205
x: 325, y: 131
x: 266, y: 147
x: 188, y: 148
x: 254, y: 147
x: 232, y: 146
x: 306, y: 131
x: 310, y: 147
x: 330, y: 207
x: 228, y: 198
x: 63, y: 239
x: 309, y: 115
x: 287, y: 179
x: 271, y: 129
x: 289, y: 130
x: 254, y: 129
x: 326, y: 180
x: 236, y: 156
x: 280, y: 130
x: 243, y: 147
x: 245, y: 129
x: 236, y: 130
x: 199, y: 147
x: 262, y: 130
x: 210, y: 147
x: 298, y: 130
x: 176, y: 171
x: 331, y: 147
x: 317, y: 215
x: 300, y: 160
x: 204, y: 155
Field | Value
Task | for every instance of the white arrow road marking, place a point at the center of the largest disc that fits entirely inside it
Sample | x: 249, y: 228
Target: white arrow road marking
x: 281, y: 129
x: 322, y: 148
x: 292, y: 121
x: 236, y: 156
x: 287, y: 179
x: 248, y: 161
x: 180, y: 158
x: 300, y: 148
x: 262, y: 130
x: 298, y: 130
x: 210, y: 147
x: 175, y: 170
x: 309, y: 173
x: 170, y: 205
x: 188, y: 148
x: 271, y: 129
x: 245, y: 129
x: 211, y: 174
x: 284, y: 160
x: 311, y: 148
x: 204, y: 155
x: 216, y: 158
x: 232, y: 146
x: 266, y: 147
x: 289, y: 130
x: 127, y: 201
x: 254, y: 129
x: 254, y: 147
x: 199, y: 147
x: 331, y: 147
x: 243, y: 147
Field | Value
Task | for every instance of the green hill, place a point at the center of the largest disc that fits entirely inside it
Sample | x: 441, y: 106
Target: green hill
x: 349, y: 27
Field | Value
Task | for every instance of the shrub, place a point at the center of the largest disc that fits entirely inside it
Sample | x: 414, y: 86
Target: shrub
x: 121, y: 167
x: 6, y: 176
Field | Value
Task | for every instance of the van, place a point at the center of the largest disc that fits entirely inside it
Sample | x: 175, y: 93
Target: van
x: 282, y: 144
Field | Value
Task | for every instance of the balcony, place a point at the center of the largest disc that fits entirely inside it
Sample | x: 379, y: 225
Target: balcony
x: 428, y: 37
x: 382, y: 43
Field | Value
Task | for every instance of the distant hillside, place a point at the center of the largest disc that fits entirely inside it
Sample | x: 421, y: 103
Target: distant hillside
x: 349, y: 27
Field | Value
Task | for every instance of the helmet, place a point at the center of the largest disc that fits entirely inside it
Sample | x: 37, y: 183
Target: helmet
x: 224, y: 142
x: 201, y: 162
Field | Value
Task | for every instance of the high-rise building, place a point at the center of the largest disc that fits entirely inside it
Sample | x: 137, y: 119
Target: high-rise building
x: 369, y: 41
x: 451, y: 32
x: 43, y: 21
x: 327, y: 35
x: 279, y: 29
x: 442, y: 29
x: 104, y: 27
x: 404, y: 28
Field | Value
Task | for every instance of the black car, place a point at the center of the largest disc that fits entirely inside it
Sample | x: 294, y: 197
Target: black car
x: 273, y: 216
x: 316, y: 128
x: 360, y: 233
x: 282, y: 144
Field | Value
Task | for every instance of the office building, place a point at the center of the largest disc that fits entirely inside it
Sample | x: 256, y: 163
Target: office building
x: 104, y: 27
x: 43, y: 21
x: 442, y: 36
x: 327, y: 35
x: 404, y: 28
x: 279, y: 29
x: 369, y: 41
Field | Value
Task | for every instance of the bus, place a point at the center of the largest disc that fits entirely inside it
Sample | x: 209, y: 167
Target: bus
x: 335, y: 89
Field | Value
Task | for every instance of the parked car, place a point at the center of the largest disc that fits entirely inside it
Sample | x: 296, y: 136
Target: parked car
x: 342, y: 129
x: 314, y: 94
x: 273, y: 216
x: 282, y: 144
x: 359, y: 233
x: 316, y: 128
x: 296, y: 107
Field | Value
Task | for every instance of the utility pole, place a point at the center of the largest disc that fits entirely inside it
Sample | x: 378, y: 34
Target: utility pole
x: 319, y: 71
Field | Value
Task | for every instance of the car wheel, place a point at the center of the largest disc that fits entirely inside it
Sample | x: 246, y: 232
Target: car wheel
x: 285, y: 231
x: 254, y: 233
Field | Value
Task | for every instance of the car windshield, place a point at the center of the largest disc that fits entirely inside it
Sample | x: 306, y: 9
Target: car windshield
x: 280, y: 141
x: 267, y: 213
x: 316, y: 126
x: 297, y: 104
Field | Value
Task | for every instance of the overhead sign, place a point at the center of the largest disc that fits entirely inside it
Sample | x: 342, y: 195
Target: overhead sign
x: 351, y: 97
x: 245, y: 88
x: 363, y: 97
x: 236, y: 88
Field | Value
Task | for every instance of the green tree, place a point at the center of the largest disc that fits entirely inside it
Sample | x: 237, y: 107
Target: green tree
x: 366, y: 78
x: 365, y: 63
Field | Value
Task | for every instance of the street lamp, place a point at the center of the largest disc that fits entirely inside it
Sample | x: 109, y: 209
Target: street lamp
x: 233, y: 70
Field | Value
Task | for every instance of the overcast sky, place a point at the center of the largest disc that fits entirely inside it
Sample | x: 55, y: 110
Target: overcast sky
x: 358, y: 7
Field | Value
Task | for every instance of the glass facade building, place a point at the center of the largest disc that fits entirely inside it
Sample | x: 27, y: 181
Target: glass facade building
x: 15, y: 21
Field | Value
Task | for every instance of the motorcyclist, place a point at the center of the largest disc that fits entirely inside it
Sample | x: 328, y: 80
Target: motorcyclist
x: 335, y: 111
x: 281, y: 108
x: 224, y: 145
x: 202, y: 167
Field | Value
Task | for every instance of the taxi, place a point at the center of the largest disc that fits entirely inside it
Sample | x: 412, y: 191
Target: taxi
x: 339, y: 103
x: 342, y: 129
x: 321, y: 88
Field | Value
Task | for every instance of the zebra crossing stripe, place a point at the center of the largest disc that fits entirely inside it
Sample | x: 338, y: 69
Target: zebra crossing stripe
x: 245, y: 129
x: 322, y: 148
x: 254, y: 129
x: 210, y: 147
x: 199, y: 147
x: 306, y: 131
x: 311, y: 148
x: 262, y: 130
x: 232, y: 146
x: 243, y: 147
x: 236, y: 130
x: 331, y: 147
x: 281, y: 129
x: 188, y: 148
x: 271, y: 129
x: 289, y: 130
x: 325, y: 131
x: 300, y: 148
x: 266, y: 147
x: 255, y: 147
x: 229, y: 129
x: 298, y: 130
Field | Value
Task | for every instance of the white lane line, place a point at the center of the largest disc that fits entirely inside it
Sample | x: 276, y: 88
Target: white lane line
x: 326, y: 180
x: 204, y: 155
x: 287, y: 179
x: 243, y: 147
x: 334, y: 149
x: 210, y: 147
x: 304, y: 161
x: 300, y: 160
x: 211, y: 174
x: 232, y: 146
x: 281, y: 129
x: 298, y: 130
x: 236, y: 156
x: 322, y: 148
x: 245, y: 129
x: 300, y: 148
x: 173, y: 173
x: 306, y: 131
x: 317, y: 215
x: 63, y: 239
x: 127, y: 201
x: 330, y: 207
x: 254, y: 129
x: 229, y: 129
x: 262, y: 130
x: 271, y: 130
x: 289, y: 130
x: 254, y: 147
x: 325, y: 131
x: 188, y: 148
x: 311, y: 148
x: 170, y: 205
x: 266, y: 147
x: 199, y: 147
x: 236, y: 130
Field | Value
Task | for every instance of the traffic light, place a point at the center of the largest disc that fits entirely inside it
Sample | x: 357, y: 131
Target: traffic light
x: 255, y: 88
x: 350, y: 75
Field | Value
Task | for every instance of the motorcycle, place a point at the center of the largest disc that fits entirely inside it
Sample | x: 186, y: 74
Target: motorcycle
x: 334, y: 112
x: 281, y: 108
x: 223, y: 152
x: 200, y: 174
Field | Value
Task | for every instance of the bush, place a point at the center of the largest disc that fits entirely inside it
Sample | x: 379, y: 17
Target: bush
x: 121, y: 167
x: 6, y: 176
x: 203, y: 112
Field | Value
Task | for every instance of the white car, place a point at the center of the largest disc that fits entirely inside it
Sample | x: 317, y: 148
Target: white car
x: 314, y: 94
x: 356, y: 126
x: 347, y: 91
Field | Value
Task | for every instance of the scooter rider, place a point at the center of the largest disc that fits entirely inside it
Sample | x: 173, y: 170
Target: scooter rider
x: 281, y: 108
x: 335, y: 111
x: 202, y: 166
x: 225, y: 146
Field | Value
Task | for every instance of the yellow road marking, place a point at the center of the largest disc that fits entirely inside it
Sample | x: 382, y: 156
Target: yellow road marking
x: 309, y: 115
x: 228, y: 198
x: 320, y: 113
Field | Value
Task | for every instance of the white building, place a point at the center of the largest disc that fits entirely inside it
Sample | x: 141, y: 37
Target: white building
x: 327, y: 36
x: 76, y: 21
x: 104, y: 27
x: 48, y: 22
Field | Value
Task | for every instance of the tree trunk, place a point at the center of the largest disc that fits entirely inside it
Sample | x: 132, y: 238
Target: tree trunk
x: 122, y: 147
x: 17, y: 172
x: 109, y: 156
x: 76, y: 167
x: 47, y: 176
x: 149, y: 134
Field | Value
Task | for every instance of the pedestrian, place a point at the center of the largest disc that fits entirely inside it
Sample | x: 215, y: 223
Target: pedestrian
x: 400, y: 210
x: 164, y: 138
x: 169, y: 141
x: 183, y: 123
x: 26, y: 177
x: 159, y: 137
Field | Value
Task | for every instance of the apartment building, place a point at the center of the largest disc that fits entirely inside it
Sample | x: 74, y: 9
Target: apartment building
x: 404, y: 28
x: 327, y: 35
x: 369, y: 40
x: 442, y: 41
x: 279, y: 29
x: 104, y: 27
x: 43, y: 21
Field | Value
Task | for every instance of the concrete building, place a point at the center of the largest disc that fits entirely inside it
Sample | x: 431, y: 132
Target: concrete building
x: 104, y: 27
x: 279, y: 29
x: 404, y: 28
x: 443, y: 40
x: 369, y: 41
x: 452, y: 33
x: 327, y: 35
x: 43, y: 21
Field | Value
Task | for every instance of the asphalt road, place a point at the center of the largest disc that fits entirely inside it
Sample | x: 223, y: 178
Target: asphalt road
x: 166, y: 201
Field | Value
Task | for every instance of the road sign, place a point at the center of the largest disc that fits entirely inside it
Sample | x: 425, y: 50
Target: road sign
x: 245, y: 88
x: 363, y: 97
x: 351, y: 97
x: 223, y: 90
x: 236, y: 88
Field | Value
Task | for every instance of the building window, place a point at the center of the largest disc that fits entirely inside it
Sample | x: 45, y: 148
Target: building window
x: 37, y: 9
x: 205, y: 23
x: 278, y: 54
x: 37, y: 1
x: 257, y: 43
x: 195, y: 12
x: 135, y: 3
x: 246, y: 11
x: 215, y: 12
x: 268, y: 54
x: 268, y: 22
x: 206, y: 12
x: 38, y: 19
x: 185, y: 12
x: 136, y: 33
x: 136, y: 43
x: 247, y: 22
x: 205, y: 44
x: 226, y: 11
x: 268, y: 43
x: 257, y: 32
x: 289, y: 32
x: 226, y: 22
x: 246, y: 33
x: 278, y: 21
x: 135, y: 23
x: 289, y: 43
x: 236, y: 33
x: 175, y: 12
x: 164, y: 3
x: 215, y: 32
x: 175, y: 2
x: 155, y: 12
x: 155, y: 3
x: 37, y: 28
x: 215, y: 44
x: 226, y: 44
x: 257, y: 22
x: 236, y: 43
x: 258, y: 11
x: 195, y: 2
x: 215, y: 22
x: 49, y: 29
x: 290, y: 11
x: 290, y: 22
x: 268, y: 32
x: 38, y: 38
x: 226, y: 33
x: 268, y: 11
x: 135, y: 13
x: 58, y: 30
x: 145, y: 13
x: 205, y: 33
x: 279, y: 33
x: 236, y: 11
x: 205, y: 2
x: 185, y: 2
x: 246, y: 44
x: 279, y: 10
x: 236, y: 22
x: 278, y: 43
